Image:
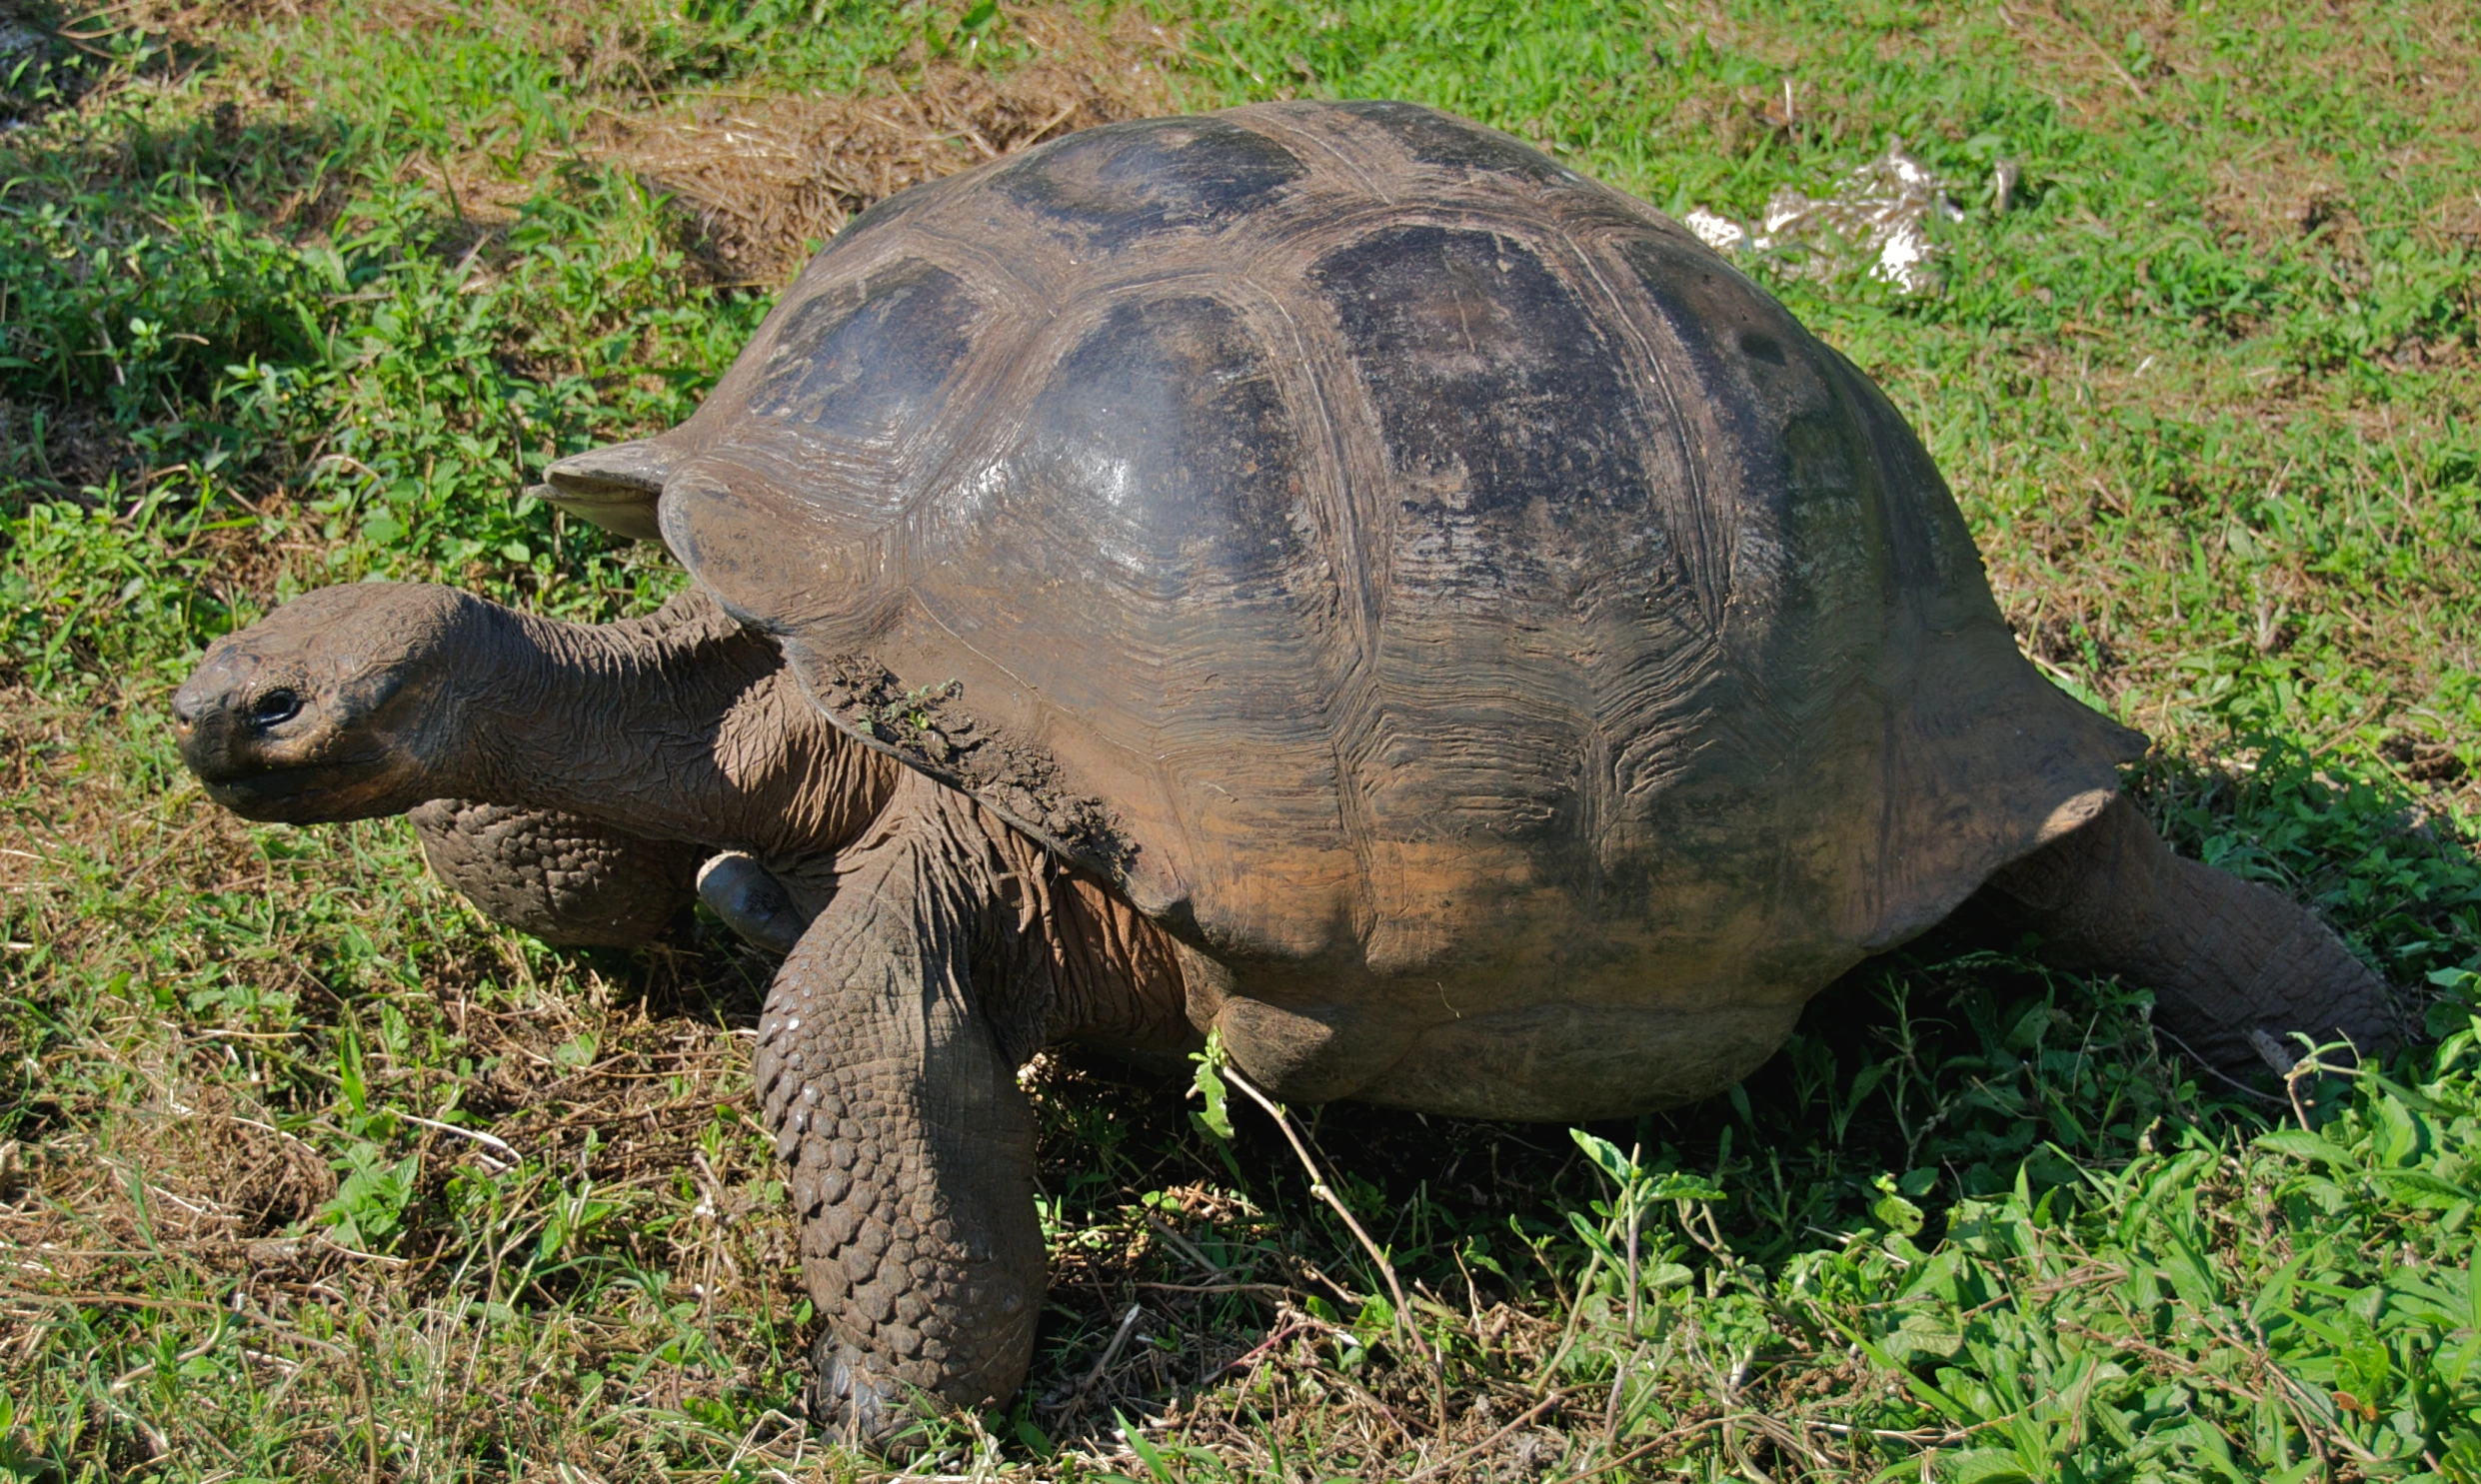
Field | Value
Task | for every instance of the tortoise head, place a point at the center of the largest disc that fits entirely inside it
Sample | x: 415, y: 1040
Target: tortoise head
x: 338, y: 705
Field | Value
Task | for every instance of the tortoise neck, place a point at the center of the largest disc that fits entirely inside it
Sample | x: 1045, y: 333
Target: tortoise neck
x: 679, y: 726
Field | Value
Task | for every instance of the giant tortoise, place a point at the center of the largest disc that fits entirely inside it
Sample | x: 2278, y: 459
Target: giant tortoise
x: 1326, y: 572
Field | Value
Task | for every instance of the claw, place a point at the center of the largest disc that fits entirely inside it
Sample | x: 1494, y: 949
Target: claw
x: 849, y: 1401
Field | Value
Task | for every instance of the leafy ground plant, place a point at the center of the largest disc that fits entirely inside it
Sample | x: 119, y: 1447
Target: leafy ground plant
x: 307, y: 1173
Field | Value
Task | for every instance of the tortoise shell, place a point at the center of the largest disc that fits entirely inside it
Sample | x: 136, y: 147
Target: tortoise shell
x: 1521, y: 661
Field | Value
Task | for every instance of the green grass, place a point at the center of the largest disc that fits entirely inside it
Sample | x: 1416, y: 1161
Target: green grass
x: 306, y: 1172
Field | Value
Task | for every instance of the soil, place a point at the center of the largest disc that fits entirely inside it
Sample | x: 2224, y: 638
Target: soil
x: 930, y: 729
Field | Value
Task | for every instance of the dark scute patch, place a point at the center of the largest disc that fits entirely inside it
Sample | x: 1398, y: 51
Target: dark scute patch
x: 1805, y: 470
x: 1834, y: 519
x: 1163, y: 440
x: 1125, y: 181
x: 1435, y: 138
x: 1497, y: 394
x: 867, y: 360
x: 1701, y: 306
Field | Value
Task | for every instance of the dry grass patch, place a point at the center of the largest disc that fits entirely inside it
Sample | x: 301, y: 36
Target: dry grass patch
x: 62, y: 451
x: 769, y: 178
x: 768, y: 173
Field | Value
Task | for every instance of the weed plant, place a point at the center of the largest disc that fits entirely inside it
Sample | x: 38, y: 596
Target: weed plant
x: 306, y: 1172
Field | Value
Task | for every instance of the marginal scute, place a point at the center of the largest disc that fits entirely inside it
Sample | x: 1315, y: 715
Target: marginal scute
x: 614, y: 487
x: 930, y: 729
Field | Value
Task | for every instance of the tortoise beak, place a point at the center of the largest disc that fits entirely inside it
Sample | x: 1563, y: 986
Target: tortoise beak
x: 208, y: 714
x: 254, y: 735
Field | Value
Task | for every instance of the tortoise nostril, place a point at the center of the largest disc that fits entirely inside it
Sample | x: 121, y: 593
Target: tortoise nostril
x: 275, y: 708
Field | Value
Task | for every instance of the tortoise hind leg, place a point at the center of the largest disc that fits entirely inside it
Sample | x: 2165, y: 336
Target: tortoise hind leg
x: 2236, y: 969
x: 908, y: 1148
x: 566, y: 879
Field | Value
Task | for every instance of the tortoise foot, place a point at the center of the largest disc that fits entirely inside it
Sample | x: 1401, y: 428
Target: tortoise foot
x: 854, y: 1400
x: 2240, y: 971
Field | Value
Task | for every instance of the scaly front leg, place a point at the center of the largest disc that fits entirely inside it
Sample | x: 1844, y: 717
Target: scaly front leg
x: 890, y: 1081
x: 566, y: 879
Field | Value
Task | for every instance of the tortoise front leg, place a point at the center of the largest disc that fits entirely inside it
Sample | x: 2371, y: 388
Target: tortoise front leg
x: 572, y: 881
x: 566, y: 879
x: 908, y: 1148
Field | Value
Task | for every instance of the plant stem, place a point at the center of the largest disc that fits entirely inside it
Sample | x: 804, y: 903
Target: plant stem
x: 1320, y: 1188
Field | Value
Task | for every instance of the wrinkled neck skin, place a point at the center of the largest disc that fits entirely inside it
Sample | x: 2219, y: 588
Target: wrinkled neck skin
x: 686, y: 727
x: 682, y: 725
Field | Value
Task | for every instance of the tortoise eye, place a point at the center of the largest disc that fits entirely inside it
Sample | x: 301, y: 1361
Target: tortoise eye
x: 273, y: 707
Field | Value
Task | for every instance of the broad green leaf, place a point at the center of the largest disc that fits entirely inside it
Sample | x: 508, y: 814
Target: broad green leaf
x: 1986, y: 1466
x: 1606, y: 1156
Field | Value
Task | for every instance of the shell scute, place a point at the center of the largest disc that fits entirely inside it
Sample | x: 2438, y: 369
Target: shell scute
x: 1513, y: 429
x: 1433, y: 138
x: 1117, y: 183
x: 866, y: 362
x: 1163, y: 457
